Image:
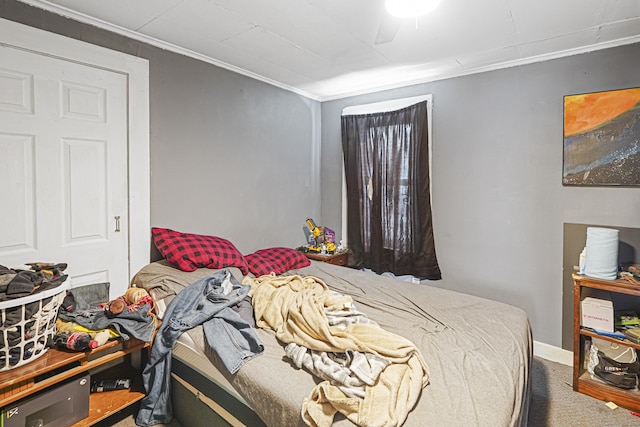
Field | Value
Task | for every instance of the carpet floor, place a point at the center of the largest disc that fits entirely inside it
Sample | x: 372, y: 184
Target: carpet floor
x: 553, y: 404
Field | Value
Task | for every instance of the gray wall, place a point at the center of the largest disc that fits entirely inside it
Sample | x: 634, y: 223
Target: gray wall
x: 230, y: 155
x: 498, y: 201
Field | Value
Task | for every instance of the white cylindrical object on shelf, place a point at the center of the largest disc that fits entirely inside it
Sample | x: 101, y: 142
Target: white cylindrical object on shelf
x: 583, y: 254
x: 601, y: 257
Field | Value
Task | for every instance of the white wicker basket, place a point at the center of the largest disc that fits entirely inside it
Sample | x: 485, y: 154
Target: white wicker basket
x: 24, y: 337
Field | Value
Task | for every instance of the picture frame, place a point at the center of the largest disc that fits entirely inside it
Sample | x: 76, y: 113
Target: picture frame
x: 602, y: 138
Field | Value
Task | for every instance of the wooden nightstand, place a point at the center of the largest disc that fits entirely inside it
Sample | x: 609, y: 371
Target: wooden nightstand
x: 56, y: 366
x: 340, y: 258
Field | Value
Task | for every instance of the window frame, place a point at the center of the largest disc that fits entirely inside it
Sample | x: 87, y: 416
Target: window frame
x: 380, y: 107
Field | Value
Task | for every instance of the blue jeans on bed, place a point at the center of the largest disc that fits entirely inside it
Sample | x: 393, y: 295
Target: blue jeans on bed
x: 206, y: 302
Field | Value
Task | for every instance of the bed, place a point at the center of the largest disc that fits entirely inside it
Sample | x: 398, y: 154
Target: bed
x: 478, y: 352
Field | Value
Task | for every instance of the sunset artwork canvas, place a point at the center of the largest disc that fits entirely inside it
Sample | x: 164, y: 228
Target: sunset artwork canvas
x: 602, y: 138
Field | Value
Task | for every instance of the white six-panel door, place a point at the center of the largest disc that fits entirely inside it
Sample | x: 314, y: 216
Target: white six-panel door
x: 63, y: 166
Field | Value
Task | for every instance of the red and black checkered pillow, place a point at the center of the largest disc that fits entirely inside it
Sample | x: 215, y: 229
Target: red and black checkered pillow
x: 275, y: 260
x: 191, y: 251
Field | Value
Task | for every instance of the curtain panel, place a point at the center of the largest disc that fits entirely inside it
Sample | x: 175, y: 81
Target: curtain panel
x: 386, y: 158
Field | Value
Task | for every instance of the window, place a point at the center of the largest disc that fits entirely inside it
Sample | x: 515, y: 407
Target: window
x: 388, y: 221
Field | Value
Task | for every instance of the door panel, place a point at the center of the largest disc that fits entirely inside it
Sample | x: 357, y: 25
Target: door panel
x: 16, y: 92
x: 85, y: 199
x: 17, y: 184
x: 63, y: 166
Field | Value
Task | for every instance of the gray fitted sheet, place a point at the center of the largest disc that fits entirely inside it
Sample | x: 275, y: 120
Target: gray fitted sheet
x: 478, y: 351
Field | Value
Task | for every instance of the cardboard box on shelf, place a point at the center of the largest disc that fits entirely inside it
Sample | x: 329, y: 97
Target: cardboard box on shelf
x: 597, y: 314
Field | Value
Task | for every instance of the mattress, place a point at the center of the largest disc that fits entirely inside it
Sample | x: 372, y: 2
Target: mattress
x: 478, y: 351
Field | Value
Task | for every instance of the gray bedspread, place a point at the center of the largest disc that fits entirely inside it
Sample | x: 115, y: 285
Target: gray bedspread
x: 478, y: 351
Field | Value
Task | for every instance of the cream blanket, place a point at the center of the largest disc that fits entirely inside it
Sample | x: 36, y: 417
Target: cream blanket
x: 294, y: 307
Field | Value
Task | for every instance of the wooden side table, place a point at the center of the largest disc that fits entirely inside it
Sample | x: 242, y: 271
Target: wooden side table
x: 339, y: 258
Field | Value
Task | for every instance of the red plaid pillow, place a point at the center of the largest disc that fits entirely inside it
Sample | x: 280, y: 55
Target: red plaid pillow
x: 275, y: 260
x: 191, y: 251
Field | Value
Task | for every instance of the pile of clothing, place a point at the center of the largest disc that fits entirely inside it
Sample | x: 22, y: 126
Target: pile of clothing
x: 370, y: 375
x: 17, y: 283
x: 87, y: 308
x: 22, y: 322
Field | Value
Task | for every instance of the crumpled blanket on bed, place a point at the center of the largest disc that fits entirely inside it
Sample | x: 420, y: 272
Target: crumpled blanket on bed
x: 478, y: 351
x: 295, y: 308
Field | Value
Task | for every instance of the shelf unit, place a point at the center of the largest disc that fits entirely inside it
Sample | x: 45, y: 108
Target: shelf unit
x: 56, y: 366
x: 582, y: 381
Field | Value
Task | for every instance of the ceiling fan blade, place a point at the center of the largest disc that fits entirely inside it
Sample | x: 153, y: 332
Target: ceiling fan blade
x: 389, y: 26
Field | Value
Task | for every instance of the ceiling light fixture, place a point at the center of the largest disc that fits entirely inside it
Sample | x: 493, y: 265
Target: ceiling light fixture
x: 410, y: 8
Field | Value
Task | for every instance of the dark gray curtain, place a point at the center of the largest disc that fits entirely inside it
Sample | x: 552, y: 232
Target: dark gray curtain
x: 386, y: 157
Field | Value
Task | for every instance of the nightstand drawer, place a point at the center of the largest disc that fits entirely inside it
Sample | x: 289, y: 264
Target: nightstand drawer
x: 339, y: 259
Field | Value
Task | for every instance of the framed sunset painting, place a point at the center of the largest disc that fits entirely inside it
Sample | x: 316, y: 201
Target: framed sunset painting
x: 602, y: 138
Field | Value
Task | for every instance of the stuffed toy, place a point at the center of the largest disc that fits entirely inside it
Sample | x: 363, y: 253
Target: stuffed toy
x: 132, y: 300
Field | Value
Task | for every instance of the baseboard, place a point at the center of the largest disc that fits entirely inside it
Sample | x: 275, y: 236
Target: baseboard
x: 553, y: 353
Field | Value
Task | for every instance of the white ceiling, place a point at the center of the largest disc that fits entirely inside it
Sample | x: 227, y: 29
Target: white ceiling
x: 325, y: 49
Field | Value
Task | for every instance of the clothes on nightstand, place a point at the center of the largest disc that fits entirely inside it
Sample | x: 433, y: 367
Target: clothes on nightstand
x: 87, y: 311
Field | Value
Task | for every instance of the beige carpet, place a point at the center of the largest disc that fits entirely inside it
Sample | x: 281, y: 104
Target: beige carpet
x: 553, y: 404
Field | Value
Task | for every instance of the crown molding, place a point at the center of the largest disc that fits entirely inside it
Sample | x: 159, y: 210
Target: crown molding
x: 77, y: 16
x: 492, y: 67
